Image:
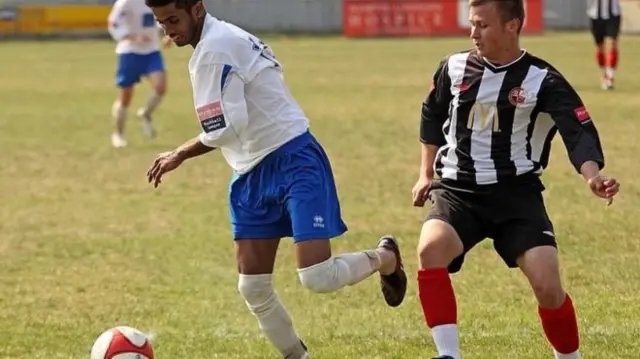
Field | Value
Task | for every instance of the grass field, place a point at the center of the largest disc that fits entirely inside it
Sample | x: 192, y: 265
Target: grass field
x: 86, y: 243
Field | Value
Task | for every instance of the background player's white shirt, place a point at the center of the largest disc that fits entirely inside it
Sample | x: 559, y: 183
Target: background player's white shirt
x: 241, y: 100
x: 133, y: 17
x: 603, y: 9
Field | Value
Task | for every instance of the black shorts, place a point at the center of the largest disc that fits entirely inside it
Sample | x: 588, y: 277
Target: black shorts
x: 601, y: 28
x: 514, y: 216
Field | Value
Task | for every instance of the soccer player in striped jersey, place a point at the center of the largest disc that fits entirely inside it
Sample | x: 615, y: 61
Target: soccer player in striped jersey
x: 486, y: 130
x: 604, y: 16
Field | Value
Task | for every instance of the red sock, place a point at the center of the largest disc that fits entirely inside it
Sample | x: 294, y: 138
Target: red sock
x: 612, y: 60
x: 602, y: 61
x: 437, y: 297
x: 561, y: 327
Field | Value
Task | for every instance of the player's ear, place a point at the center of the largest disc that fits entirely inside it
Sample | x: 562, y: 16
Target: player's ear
x: 198, y: 10
x: 513, y: 26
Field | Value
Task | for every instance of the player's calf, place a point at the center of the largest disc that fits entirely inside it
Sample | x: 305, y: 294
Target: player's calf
x: 273, y: 319
x: 555, y: 307
x: 439, y: 245
x: 119, y: 114
x: 159, y: 81
x: 323, y: 273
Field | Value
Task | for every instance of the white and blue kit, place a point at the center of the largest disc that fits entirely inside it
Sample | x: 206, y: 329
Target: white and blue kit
x: 135, y: 60
x: 283, y: 185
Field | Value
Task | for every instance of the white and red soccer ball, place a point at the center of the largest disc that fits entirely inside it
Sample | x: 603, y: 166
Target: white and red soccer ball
x: 122, y: 343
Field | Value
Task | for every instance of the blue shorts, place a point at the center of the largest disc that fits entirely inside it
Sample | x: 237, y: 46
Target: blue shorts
x: 291, y: 193
x: 132, y: 67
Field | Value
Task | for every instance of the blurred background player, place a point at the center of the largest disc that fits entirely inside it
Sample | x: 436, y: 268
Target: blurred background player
x: 605, y: 23
x: 133, y: 26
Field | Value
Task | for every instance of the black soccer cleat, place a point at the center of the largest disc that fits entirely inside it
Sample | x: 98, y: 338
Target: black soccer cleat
x: 305, y: 355
x: 394, y: 285
x: 443, y: 357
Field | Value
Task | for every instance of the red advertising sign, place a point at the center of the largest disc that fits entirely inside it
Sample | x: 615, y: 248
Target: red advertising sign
x: 370, y: 18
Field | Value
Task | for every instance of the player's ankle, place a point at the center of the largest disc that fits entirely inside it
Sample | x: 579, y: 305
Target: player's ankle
x: 574, y: 355
x: 388, y: 261
x: 297, y: 352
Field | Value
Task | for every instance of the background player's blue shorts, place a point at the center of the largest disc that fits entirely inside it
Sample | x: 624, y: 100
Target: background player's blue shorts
x: 291, y: 193
x: 131, y: 67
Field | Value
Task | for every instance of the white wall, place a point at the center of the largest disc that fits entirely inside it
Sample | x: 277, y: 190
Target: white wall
x: 318, y: 16
x: 565, y: 14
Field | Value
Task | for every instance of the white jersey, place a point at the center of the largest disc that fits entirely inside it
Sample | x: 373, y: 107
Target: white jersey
x: 241, y: 100
x: 133, y: 17
x: 603, y: 9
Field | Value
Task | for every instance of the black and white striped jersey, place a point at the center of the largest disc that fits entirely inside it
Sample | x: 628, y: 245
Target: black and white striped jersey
x: 495, y: 123
x: 603, y: 9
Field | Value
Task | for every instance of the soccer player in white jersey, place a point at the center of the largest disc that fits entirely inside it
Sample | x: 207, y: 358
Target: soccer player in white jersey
x: 133, y: 26
x: 282, y: 186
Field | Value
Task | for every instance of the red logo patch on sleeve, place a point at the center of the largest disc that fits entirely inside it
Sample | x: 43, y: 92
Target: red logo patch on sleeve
x: 211, y: 117
x: 582, y: 114
x: 211, y: 110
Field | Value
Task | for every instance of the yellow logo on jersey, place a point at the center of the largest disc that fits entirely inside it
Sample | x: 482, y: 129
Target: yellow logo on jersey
x: 488, y: 115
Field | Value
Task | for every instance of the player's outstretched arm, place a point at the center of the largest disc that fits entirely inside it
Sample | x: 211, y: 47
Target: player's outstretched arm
x: 434, y: 114
x: 169, y: 161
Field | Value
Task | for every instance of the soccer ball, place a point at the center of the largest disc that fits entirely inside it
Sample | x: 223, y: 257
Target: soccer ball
x: 122, y: 343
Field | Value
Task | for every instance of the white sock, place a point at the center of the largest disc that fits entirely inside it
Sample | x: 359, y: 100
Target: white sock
x: 609, y: 72
x: 273, y: 319
x: 360, y: 265
x: 152, y: 103
x: 446, y: 340
x: 340, y: 271
x: 574, y: 355
x: 119, y: 114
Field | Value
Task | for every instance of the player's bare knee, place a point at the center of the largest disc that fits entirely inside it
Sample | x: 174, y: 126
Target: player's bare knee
x: 549, y: 292
x: 541, y: 267
x: 439, y: 244
x: 160, y: 89
x: 125, y: 97
x: 256, y: 256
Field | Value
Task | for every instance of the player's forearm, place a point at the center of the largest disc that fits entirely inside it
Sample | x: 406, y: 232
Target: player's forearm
x: 193, y: 148
x: 428, y: 157
x: 589, y: 169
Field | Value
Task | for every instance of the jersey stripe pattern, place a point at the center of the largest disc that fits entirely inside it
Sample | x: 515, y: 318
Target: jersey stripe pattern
x: 494, y: 123
x: 603, y: 9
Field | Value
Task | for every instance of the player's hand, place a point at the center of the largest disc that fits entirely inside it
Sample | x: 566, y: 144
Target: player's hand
x: 420, y: 191
x: 164, y: 162
x: 166, y: 41
x: 604, y: 187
